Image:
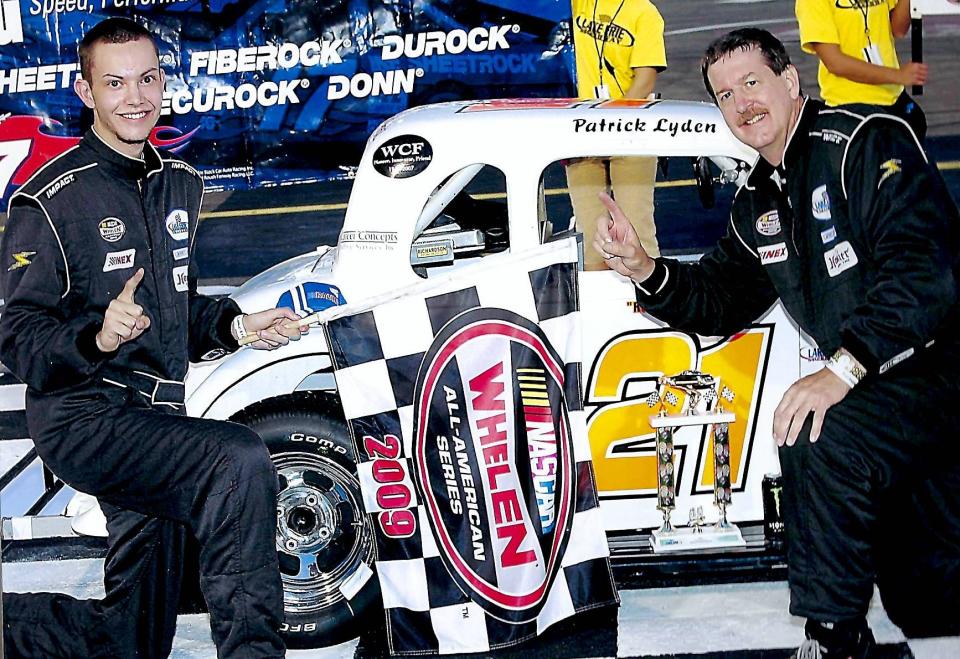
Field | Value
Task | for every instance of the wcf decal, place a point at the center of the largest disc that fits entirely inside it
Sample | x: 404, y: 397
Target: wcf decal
x: 493, y: 459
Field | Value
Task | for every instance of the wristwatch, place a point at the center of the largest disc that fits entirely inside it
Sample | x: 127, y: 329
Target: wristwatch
x: 846, y: 367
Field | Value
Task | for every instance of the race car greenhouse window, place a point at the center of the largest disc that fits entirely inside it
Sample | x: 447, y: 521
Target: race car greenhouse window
x: 691, y: 197
x: 464, y: 217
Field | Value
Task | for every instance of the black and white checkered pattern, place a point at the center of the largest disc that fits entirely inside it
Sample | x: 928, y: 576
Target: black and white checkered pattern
x: 378, y: 353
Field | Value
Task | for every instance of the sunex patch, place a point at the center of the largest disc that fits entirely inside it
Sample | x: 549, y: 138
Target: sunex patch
x: 493, y: 459
x: 768, y: 224
x: 773, y: 253
x: 119, y: 260
x: 111, y: 229
x: 403, y: 156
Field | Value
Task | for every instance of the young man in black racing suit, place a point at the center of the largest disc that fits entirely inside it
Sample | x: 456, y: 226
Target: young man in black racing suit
x: 101, y: 318
x: 847, y: 223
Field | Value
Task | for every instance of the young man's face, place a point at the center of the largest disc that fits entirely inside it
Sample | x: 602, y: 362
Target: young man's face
x: 759, y: 106
x: 124, y: 92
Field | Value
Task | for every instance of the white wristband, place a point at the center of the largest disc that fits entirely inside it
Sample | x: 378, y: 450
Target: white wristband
x: 237, y: 328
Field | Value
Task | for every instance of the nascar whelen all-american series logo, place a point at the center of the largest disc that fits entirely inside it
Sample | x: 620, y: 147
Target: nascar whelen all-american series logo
x: 493, y: 459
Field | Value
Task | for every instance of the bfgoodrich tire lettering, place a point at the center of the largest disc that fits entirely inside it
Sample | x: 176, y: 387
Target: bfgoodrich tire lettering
x: 323, y: 538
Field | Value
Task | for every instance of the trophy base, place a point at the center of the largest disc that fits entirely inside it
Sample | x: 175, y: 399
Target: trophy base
x: 688, y: 539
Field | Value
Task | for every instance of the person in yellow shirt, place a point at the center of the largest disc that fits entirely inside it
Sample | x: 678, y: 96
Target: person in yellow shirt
x: 854, y: 40
x: 619, y: 51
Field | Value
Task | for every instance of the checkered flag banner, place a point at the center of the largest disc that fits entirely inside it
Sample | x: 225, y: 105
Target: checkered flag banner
x: 463, y: 399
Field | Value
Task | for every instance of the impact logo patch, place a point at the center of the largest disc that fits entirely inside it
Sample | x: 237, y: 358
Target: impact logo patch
x: 768, y: 224
x: 840, y: 258
x: 111, y: 229
x: 119, y: 260
x: 820, y: 203
x: 889, y: 168
x: 773, y: 253
x: 403, y: 156
x: 20, y: 260
x: 493, y: 459
x: 178, y: 224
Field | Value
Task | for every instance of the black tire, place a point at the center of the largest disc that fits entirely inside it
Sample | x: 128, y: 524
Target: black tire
x: 323, y: 535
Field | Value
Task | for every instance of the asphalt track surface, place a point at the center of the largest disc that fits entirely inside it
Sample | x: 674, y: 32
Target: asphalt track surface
x: 242, y: 233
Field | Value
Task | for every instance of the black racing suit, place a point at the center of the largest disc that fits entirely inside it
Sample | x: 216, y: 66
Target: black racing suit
x: 112, y: 424
x: 857, y: 236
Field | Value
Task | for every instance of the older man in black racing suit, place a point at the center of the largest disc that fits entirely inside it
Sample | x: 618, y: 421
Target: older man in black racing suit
x: 847, y: 223
x: 101, y: 317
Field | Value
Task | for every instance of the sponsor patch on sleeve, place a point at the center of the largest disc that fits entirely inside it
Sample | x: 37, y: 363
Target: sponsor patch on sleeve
x: 177, y: 224
x: 180, y: 278
x: 181, y: 253
x: 119, y: 260
x: 772, y: 253
x: 768, y: 224
x: 840, y: 258
x: 888, y: 169
x: 20, y: 260
x: 828, y: 235
x: 820, y: 203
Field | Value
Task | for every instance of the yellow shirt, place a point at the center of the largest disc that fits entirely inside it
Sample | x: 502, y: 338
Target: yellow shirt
x: 613, y: 37
x: 842, y: 22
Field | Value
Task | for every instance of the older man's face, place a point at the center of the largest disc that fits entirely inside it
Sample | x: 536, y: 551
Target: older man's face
x: 758, y: 105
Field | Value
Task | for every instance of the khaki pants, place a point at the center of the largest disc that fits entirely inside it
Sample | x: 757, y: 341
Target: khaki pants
x: 631, y: 181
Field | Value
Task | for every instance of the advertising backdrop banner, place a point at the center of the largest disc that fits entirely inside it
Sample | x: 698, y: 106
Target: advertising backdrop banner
x: 465, y: 408
x: 270, y: 92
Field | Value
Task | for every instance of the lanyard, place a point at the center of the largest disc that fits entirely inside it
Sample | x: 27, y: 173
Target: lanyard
x: 603, y: 41
x: 864, y: 7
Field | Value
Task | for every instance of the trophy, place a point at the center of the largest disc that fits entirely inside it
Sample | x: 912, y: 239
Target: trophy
x: 699, y: 410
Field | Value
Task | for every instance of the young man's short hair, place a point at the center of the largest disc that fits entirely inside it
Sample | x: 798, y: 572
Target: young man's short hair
x: 111, y: 30
x: 746, y: 38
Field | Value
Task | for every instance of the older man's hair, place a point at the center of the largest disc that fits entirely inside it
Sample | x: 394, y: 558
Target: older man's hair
x: 111, y: 30
x: 746, y: 38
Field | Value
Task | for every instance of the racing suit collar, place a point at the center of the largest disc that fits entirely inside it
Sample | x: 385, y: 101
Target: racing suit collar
x: 796, y: 144
x: 797, y: 140
x: 122, y: 164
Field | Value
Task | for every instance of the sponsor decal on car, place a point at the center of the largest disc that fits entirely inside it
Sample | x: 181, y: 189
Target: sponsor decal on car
x: 772, y: 253
x: 768, y: 224
x: 809, y: 354
x: 840, y: 258
x: 177, y: 224
x: 403, y: 156
x: 368, y: 240
x: 119, y: 260
x: 820, y: 203
x: 310, y: 297
x: 493, y: 459
x: 111, y: 229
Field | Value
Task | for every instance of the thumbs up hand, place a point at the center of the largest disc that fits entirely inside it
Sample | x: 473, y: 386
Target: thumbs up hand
x: 124, y: 319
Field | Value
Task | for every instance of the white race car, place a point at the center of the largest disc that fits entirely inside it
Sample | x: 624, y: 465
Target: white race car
x: 440, y: 187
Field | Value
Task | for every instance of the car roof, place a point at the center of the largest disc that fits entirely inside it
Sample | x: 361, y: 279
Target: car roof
x: 564, y: 128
